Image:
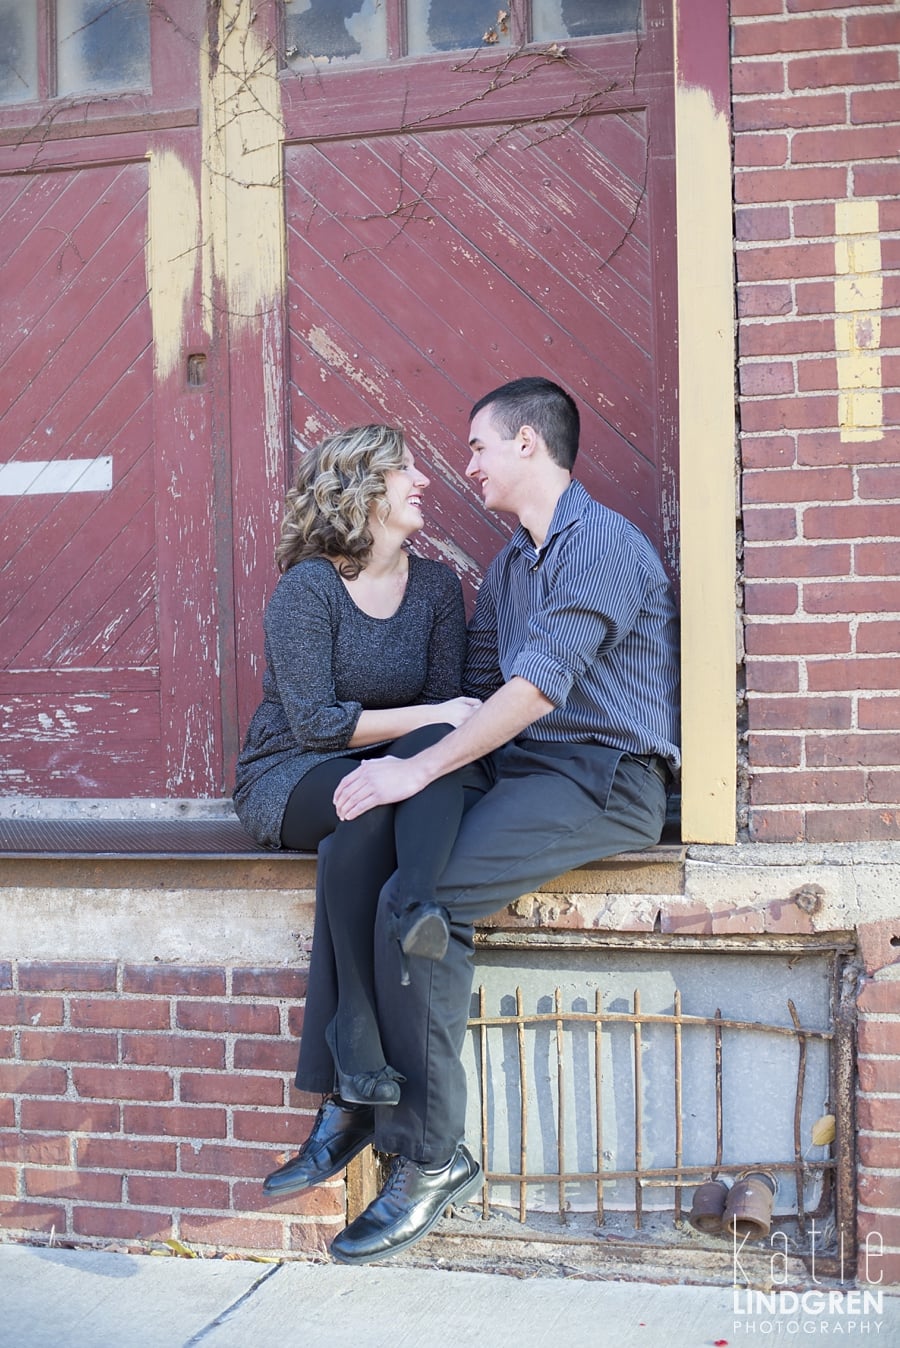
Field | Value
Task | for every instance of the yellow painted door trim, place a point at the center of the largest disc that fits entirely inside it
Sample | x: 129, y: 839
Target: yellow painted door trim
x: 706, y: 351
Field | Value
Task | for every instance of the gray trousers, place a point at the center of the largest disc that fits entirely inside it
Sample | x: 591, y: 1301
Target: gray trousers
x: 551, y: 807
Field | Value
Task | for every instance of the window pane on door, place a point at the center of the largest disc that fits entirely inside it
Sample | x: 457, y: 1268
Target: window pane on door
x: 448, y: 25
x: 18, y: 51
x: 335, y: 30
x: 102, y: 44
x: 555, y: 19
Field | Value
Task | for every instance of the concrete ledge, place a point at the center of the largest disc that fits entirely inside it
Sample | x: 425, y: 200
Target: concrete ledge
x: 198, y: 888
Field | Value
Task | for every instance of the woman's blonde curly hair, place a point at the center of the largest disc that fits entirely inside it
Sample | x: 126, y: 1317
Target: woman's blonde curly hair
x: 327, y: 509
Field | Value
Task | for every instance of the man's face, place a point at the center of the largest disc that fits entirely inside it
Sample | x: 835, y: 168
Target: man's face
x: 495, y: 463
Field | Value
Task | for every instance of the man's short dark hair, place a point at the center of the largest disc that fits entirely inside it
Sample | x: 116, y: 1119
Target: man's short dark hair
x: 540, y: 403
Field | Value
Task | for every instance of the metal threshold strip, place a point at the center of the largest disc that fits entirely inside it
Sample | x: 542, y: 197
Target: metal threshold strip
x: 204, y: 839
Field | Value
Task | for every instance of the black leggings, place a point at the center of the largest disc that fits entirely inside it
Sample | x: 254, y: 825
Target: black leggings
x: 413, y: 837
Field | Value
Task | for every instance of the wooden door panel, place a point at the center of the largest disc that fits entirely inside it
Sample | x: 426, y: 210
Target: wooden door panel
x: 120, y: 374
x: 110, y: 678
x: 56, y: 539
x: 423, y: 268
x: 426, y: 260
x: 132, y: 644
x: 113, y: 635
x: 50, y: 362
x: 64, y: 258
x: 58, y: 410
x: 97, y: 563
x: 535, y: 265
x: 87, y: 743
x: 78, y: 570
x: 586, y: 223
x: 34, y: 207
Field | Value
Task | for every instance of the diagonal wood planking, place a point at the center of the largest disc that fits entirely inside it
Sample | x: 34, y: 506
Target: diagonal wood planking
x: 422, y: 268
x: 79, y: 703
x: 76, y: 364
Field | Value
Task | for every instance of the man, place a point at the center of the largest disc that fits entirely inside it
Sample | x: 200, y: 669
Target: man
x: 573, y: 650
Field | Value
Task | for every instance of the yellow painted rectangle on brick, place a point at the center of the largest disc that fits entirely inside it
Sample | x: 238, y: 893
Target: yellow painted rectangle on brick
x: 855, y: 256
x: 855, y: 293
x: 859, y: 371
x: 856, y: 217
x: 858, y: 297
x: 861, y: 413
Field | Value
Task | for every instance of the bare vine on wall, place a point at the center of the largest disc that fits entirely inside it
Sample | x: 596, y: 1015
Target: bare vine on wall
x: 417, y: 206
x: 242, y: 62
x: 515, y: 66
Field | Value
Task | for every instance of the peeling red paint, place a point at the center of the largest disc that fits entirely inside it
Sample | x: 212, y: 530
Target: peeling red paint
x: 702, y: 50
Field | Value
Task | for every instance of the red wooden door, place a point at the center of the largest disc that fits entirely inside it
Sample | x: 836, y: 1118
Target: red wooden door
x: 107, y: 609
x: 465, y: 202
x: 462, y: 218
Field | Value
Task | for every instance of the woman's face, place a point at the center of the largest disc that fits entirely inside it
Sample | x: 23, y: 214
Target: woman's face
x: 404, y: 488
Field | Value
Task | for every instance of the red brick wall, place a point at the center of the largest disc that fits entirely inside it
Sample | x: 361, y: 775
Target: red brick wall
x: 878, y: 1105
x: 878, y: 1118
x: 816, y: 116
x: 816, y: 121
x: 139, y: 1103
x: 143, y: 1103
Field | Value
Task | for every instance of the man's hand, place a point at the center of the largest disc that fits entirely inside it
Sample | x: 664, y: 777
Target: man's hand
x: 381, y: 781
x: 377, y: 781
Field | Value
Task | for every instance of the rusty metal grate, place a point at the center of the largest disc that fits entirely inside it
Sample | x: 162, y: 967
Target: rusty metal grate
x: 822, y: 1185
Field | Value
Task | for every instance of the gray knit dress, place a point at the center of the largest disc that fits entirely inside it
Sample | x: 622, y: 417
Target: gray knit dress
x: 326, y: 662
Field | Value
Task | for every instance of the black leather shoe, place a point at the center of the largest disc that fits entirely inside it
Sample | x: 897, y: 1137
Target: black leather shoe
x: 338, y: 1135
x: 410, y: 1204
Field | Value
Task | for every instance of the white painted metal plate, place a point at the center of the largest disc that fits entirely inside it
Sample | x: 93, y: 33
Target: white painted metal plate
x: 55, y: 477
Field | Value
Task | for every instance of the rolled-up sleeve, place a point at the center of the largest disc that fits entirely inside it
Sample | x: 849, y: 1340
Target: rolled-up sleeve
x: 585, y: 611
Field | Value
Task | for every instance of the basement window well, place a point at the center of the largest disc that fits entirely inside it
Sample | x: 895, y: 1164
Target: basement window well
x: 609, y: 1078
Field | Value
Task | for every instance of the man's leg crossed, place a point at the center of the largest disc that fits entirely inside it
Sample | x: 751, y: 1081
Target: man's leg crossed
x: 523, y: 833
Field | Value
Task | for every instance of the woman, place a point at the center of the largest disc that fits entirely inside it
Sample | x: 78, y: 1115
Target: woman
x: 364, y: 651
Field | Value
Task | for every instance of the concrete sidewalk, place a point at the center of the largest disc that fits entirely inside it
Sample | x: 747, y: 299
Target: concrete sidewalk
x: 52, y: 1298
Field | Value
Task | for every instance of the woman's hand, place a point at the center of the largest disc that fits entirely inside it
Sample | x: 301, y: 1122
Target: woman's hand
x: 456, y: 711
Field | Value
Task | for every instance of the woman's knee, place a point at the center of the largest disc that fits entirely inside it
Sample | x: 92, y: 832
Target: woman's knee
x: 362, y: 849
x: 423, y: 738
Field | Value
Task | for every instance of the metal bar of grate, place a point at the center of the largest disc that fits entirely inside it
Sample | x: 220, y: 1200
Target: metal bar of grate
x: 798, y: 1111
x: 655, y: 1018
x: 560, y: 1104
x: 523, y: 1108
x: 679, y: 1115
x: 719, y: 1117
x: 486, y: 1191
x: 638, y: 1114
x: 598, y: 1099
x: 659, y: 1176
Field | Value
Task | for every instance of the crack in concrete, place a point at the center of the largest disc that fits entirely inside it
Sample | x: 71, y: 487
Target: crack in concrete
x: 229, y: 1311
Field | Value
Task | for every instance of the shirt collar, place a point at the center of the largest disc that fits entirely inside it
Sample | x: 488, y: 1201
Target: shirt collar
x: 569, y: 508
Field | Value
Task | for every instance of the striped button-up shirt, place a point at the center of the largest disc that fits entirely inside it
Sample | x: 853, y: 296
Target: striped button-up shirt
x: 590, y: 619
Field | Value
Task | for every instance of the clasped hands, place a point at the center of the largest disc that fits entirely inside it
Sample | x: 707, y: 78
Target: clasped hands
x: 385, y: 780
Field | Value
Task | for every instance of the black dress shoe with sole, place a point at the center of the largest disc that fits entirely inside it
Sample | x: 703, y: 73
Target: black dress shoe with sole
x: 410, y: 1204
x: 338, y: 1134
